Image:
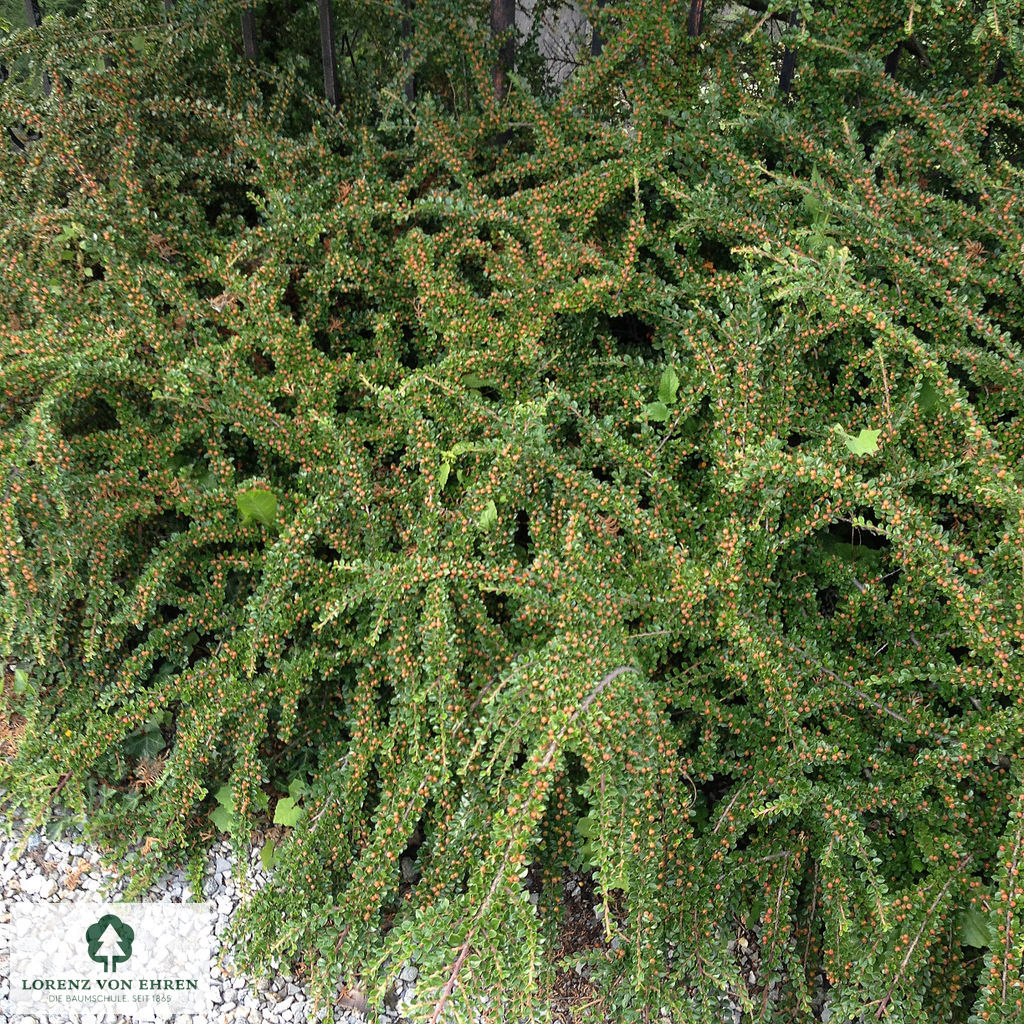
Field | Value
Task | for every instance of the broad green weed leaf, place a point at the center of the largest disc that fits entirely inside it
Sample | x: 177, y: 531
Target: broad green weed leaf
x: 146, y: 742
x: 489, y: 517
x: 258, y: 504
x: 287, y: 812
x: 976, y: 928
x: 669, y: 386
x: 863, y: 444
x: 268, y: 855
x: 657, y: 412
x: 222, y: 818
x: 928, y: 397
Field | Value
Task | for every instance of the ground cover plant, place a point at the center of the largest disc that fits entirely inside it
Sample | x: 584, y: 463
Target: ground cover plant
x: 485, y: 479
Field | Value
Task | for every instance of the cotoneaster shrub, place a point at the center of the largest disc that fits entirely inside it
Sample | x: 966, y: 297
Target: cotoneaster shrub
x: 624, y: 479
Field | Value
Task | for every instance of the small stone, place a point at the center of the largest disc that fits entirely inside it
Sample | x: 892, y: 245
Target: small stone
x: 228, y: 1007
x: 285, y: 1003
x: 752, y: 978
x: 742, y: 942
x: 39, y: 885
x: 215, y: 994
x: 409, y: 973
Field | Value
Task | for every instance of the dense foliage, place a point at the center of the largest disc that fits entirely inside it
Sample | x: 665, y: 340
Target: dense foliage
x: 620, y: 477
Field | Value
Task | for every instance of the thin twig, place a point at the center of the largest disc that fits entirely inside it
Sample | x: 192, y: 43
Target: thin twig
x: 449, y: 985
x: 942, y: 892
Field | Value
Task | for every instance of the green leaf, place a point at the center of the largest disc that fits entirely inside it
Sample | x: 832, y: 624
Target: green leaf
x: 471, y: 380
x: 442, y: 474
x: 20, y: 680
x: 928, y: 397
x: 257, y: 504
x: 223, y: 815
x: 863, y: 444
x: 657, y: 412
x: 489, y: 516
x: 268, y: 855
x: 976, y: 929
x: 585, y: 826
x: 669, y: 386
x: 615, y: 880
x: 144, y: 742
x: 461, y: 448
x: 222, y: 818
x: 297, y: 788
x: 287, y: 812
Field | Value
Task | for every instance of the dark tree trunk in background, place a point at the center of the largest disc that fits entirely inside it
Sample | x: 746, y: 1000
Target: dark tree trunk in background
x: 410, y: 82
x: 788, y: 60
x: 503, y: 20
x: 695, y: 22
x: 596, y: 39
x: 327, y: 50
x: 249, y: 33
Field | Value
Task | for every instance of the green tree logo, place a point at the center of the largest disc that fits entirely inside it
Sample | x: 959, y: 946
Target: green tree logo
x: 110, y: 941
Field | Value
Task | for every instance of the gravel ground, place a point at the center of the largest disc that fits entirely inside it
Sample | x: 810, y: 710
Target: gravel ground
x: 57, y: 871
x: 65, y: 870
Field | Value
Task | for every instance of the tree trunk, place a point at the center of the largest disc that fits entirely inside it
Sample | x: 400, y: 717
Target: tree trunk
x: 328, y: 54
x: 503, y: 22
x: 410, y: 82
x: 596, y: 39
x: 696, y: 20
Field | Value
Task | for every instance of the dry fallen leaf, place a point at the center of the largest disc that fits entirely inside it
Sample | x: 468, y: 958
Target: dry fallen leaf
x: 352, y: 999
x: 226, y: 300
x: 74, y: 876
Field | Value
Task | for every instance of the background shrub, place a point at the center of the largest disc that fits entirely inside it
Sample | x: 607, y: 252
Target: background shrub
x: 624, y: 478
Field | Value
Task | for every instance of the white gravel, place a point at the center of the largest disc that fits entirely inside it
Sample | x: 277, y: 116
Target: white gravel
x: 61, y: 871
